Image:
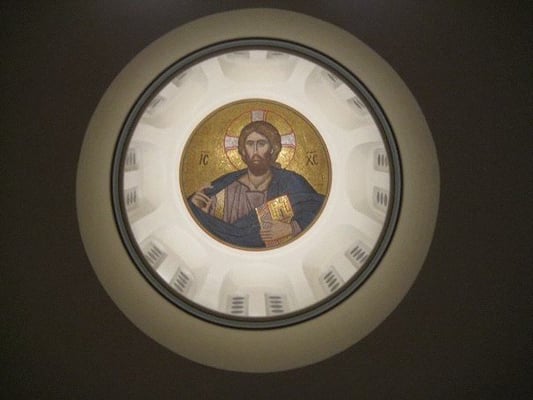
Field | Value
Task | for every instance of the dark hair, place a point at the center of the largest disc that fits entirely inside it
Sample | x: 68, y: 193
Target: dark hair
x: 267, y: 130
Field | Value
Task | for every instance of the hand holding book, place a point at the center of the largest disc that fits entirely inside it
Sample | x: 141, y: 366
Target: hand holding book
x: 275, y: 218
x: 275, y: 233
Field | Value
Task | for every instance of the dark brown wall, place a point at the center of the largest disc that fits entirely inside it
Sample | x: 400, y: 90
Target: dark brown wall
x: 464, y: 330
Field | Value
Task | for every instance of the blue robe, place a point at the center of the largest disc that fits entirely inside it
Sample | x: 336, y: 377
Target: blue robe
x: 305, y: 201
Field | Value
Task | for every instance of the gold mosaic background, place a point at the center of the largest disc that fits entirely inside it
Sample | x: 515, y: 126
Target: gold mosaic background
x: 206, y: 158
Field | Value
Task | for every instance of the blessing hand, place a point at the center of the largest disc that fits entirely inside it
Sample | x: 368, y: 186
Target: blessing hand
x: 274, y: 230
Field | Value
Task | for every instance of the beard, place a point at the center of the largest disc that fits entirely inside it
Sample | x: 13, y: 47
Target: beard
x: 258, y: 165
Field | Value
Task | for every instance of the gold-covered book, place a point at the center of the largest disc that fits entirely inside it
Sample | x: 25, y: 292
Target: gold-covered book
x: 278, y: 209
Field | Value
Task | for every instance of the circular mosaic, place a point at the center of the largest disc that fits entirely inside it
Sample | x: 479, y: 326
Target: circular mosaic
x: 255, y: 174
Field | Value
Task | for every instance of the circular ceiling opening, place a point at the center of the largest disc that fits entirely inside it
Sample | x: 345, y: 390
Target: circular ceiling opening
x: 240, y: 193
x: 256, y: 183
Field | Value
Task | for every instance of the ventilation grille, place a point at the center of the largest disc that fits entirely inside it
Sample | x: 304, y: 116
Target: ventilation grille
x: 277, y: 55
x: 330, y: 280
x: 331, y: 79
x: 178, y: 80
x: 380, y: 198
x: 381, y: 160
x: 154, y: 254
x: 238, y: 55
x: 157, y: 102
x: 357, y: 103
x: 182, y: 281
x: 131, y: 161
x: 276, y: 304
x: 131, y: 198
x: 238, y: 305
x: 358, y: 254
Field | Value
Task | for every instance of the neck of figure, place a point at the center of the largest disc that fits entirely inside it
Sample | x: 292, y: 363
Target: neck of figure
x: 257, y: 181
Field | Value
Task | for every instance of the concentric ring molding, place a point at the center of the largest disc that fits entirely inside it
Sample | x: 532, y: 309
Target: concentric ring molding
x: 272, y: 349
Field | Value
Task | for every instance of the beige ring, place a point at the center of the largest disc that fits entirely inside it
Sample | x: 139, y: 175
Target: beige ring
x: 273, y: 349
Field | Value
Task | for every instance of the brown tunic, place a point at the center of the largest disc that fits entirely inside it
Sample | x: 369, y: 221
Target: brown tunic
x: 238, y: 199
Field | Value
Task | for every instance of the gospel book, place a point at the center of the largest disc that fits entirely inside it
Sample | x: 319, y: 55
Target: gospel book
x: 278, y: 209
